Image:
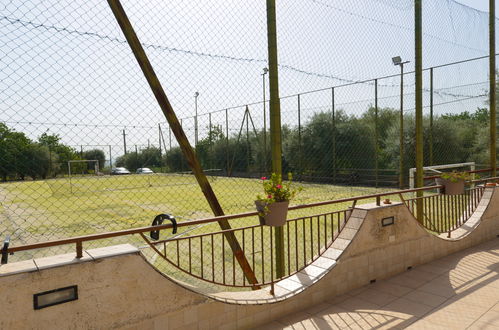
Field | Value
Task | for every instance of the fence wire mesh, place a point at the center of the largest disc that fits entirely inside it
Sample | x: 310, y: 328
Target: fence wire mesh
x: 71, y: 90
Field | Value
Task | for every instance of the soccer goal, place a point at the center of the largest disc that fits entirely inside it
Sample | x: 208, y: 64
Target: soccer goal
x: 83, y: 167
x: 435, y: 170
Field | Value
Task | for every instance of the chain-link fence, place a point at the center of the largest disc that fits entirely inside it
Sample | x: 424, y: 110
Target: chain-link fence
x: 72, y: 90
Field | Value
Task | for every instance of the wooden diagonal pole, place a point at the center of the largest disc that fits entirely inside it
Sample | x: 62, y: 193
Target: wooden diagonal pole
x: 175, y: 126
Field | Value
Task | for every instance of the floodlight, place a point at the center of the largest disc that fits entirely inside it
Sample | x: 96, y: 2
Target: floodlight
x: 396, y: 60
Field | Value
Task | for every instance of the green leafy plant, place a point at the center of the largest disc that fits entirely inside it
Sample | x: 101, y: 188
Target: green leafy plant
x: 275, y: 190
x: 456, y: 176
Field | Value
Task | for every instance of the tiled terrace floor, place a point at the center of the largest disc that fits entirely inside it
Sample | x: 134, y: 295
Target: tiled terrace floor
x: 460, y: 291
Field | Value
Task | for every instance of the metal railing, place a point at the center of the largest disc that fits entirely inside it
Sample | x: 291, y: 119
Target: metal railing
x: 306, y: 238
x: 445, y: 213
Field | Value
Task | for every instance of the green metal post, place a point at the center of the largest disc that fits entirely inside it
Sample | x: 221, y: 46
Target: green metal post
x: 376, y: 142
x: 334, y: 134
x: 419, y: 104
x: 401, y: 151
x: 275, y: 123
x: 492, y: 92
x: 431, y: 116
x: 300, y: 155
x: 227, y: 141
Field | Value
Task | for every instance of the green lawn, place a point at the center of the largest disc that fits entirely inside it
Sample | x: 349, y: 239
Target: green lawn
x: 34, y: 211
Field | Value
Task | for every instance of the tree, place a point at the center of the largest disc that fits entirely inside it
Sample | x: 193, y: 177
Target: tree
x: 13, y: 146
x: 64, y: 153
x: 95, y: 154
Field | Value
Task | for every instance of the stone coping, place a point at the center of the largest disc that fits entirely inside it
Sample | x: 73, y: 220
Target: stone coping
x: 66, y: 259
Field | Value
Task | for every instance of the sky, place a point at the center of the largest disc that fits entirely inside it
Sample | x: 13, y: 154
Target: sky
x: 67, y: 70
x: 482, y: 5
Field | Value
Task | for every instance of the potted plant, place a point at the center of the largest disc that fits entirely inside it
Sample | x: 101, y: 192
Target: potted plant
x: 453, y: 182
x: 272, y: 207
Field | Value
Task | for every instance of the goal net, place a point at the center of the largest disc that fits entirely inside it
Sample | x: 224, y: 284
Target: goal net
x: 83, y: 167
x: 437, y: 169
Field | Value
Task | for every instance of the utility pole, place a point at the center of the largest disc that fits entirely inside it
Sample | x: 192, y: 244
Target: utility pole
x: 124, y: 141
x: 196, y: 119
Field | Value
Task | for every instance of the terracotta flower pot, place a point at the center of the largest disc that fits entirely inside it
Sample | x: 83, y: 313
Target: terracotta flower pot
x: 451, y: 188
x: 275, y: 215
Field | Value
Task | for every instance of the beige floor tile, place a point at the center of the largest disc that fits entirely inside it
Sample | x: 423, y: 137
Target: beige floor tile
x: 271, y: 326
x: 355, y: 304
x: 426, y: 325
x: 491, y: 317
x: 425, y: 298
x: 408, y: 307
x: 317, y: 308
x: 407, y: 281
x: 451, y: 320
x: 391, y: 288
x: 439, y: 288
x: 376, y: 297
x: 483, y: 326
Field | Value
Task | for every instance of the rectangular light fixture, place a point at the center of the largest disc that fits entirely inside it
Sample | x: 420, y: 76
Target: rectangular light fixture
x: 55, y: 297
x: 387, y: 221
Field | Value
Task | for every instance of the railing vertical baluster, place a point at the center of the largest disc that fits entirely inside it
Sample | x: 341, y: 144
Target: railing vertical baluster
x: 164, y: 249
x: 178, y: 254
x: 288, y: 240
x: 304, y: 243
x: 223, y: 258
x: 296, y: 244
x: 253, y: 247
x: 325, y: 231
x: 339, y: 222
x: 244, y: 250
x: 213, y: 259
x: 271, y: 257
x: 190, y: 256
x: 318, y: 234
x: 233, y: 269
x: 201, y: 252
x: 311, y: 238
x: 441, y: 211
x: 263, y: 255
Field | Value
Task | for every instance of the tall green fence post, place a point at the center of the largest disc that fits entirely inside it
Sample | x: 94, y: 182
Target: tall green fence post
x: 275, y: 123
x: 376, y: 142
x: 492, y: 78
x: 418, y: 42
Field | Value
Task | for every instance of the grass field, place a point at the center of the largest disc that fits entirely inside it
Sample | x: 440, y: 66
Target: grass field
x: 34, y: 211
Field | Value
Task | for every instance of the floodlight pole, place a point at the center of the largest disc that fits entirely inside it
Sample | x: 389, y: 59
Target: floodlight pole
x: 401, y: 147
x: 492, y: 79
x: 275, y: 123
x: 176, y: 127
